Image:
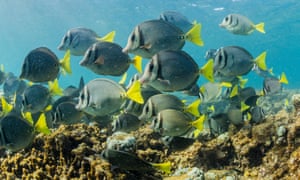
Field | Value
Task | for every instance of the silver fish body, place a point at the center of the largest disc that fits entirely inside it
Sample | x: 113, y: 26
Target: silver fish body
x: 106, y: 58
x: 171, y: 122
x: 150, y: 37
x: 171, y: 70
x: 15, y: 133
x: 177, y: 19
x: 40, y: 65
x: 231, y: 61
x: 238, y: 24
x: 66, y: 113
x: 101, y: 97
x: 159, y: 102
x: 36, y: 98
x: 271, y: 85
x: 126, y: 122
x: 78, y: 40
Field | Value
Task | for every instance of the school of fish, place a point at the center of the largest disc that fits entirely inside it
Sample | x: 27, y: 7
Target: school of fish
x: 33, y: 102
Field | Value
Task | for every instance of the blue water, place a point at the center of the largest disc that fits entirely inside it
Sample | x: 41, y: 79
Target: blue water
x: 26, y: 25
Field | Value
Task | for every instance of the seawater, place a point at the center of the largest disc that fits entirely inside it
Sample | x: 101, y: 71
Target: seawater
x: 29, y: 24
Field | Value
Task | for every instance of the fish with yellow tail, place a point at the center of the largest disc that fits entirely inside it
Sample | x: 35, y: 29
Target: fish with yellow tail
x: 150, y: 37
x: 239, y: 24
x: 78, y: 40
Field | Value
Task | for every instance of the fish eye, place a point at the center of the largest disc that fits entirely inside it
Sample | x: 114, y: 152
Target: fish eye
x: 226, y: 18
x: 219, y: 59
x: 132, y: 37
x: 82, y: 96
x: 151, y: 66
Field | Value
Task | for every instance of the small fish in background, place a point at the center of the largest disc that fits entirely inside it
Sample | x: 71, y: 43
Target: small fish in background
x: 17, y: 133
x: 101, y: 97
x: 174, y: 70
x: 13, y: 85
x: 212, y: 90
x: 42, y: 65
x: 37, y: 97
x: 273, y: 85
x: 239, y: 24
x: 107, y: 58
x: 171, y: 122
x: 126, y: 122
x: 66, y: 113
x: 177, y: 19
x: 263, y: 73
x: 257, y: 114
x: 72, y: 90
x: 210, y: 54
x: 235, y: 61
x: 131, y: 162
x: 79, y: 39
x: 150, y: 37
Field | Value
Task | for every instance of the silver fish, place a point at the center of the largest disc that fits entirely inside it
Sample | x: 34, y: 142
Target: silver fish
x: 239, y: 24
x: 177, y: 19
x: 101, y: 97
x: 36, y: 98
x: 16, y: 133
x: 271, y: 85
x: 126, y: 122
x: 159, y: 102
x: 66, y: 113
x: 42, y: 65
x: 106, y: 58
x: 150, y: 37
x: 232, y: 61
x: 171, y: 122
x: 79, y: 39
x: 171, y: 70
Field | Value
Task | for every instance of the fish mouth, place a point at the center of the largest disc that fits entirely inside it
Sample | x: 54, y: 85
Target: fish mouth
x: 221, y: 25
x: 61, y: 47
x: 125, y: 50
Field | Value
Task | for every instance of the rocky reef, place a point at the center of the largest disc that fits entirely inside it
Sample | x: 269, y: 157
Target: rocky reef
x: 268, y: 150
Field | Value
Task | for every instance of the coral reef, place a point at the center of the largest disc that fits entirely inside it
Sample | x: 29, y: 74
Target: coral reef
x: 269, y: 150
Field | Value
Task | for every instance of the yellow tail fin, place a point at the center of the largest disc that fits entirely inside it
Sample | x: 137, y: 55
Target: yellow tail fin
x: 260, y: 27
x: 199, y: 123
x: 208, y: 70
x: 193, y: 108
x: 41, y: 125
x: 137, y: 63
x: 242, y: 81
x: 226, y: 84
x: 65, y: 62
x: 54, y: 88
x: 234, y: 91
x: 261, y: 61
x: 244, y: 106
x: 28, y: 117
x: 194, y: 35
x: 134, y: 92
x: 283, y: 79
x: 165, y: 167
x: 109, y: 37
x: 123, y: 79
x: 6, y: 107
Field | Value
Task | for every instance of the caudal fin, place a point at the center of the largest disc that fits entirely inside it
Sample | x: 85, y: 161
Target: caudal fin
x: 260, y: 27
x: 137, y: 63
x: 41, y: 125
x: 134, y: 92
x: 194, y: 35
x: 208, y: 70
x: 109, y: 37
x: 261, y: 61
x: 165, y: 167
x: 65, y: 62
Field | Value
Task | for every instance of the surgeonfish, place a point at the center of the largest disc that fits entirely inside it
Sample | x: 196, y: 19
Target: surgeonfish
x: 42, y: 65
x: 130, y: 162
x: 273, y: 85
x: 126, y: 122
x: 171, y: 122
x: 177, y: 19
x: 78, y: 40
x: 107, y: 58
x: 150, y: 37
x: 239, y: 24
x: 232, y: 61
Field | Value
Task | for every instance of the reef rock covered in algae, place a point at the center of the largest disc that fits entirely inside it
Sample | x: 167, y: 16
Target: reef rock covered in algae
x: 269, y: 150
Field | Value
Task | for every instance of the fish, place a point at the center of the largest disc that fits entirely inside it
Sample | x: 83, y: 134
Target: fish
x: 171, y: 122
x: 37, y: 97
x: 232, y: 61
x: 72, y: 90
x: 177, y: 19
x: 241, y: 25
x: 126, y: 122
x: 17, y: 133
x: 212, y: 90
x: 257, y: 113
x: 131, y: 162
x: 13, y: 85
x: 273, y: 85
x: 101, y: 97
x: 78, y: 40
x: 107, y: 58
x: 235, y: 116
x: 210, y: 54
x: 173, y: 70
x: 42, y: 65
x: 150, y: 37
x: 66, y: 113
x: 218, y: 123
